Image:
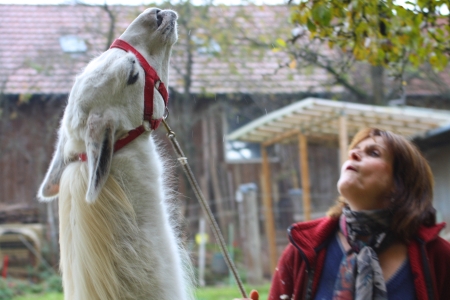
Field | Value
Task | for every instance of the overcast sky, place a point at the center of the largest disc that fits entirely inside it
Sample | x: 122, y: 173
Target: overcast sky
x: 135, y: 2
x: 444, y: 9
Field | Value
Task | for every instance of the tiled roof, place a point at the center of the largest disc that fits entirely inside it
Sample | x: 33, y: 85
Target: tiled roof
x: 32, y: 60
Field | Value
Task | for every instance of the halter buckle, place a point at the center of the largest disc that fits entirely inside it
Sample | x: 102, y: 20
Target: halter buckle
x: 166, y: 113
x: 146, y: 125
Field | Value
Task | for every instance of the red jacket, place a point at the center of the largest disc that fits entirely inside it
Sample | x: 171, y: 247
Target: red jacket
x: 298, y: 272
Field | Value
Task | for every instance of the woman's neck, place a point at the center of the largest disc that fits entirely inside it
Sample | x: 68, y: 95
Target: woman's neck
x: 366, y: 204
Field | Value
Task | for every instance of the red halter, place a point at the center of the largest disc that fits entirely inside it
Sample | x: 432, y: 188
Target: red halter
x: 151, y: 79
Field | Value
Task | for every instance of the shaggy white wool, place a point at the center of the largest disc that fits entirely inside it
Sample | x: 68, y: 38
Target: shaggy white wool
x: 116, y: 236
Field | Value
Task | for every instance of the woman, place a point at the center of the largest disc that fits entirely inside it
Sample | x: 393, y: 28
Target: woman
x: 380, y: 242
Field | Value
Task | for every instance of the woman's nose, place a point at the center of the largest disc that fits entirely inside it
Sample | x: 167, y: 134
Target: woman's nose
x: 354, y: 154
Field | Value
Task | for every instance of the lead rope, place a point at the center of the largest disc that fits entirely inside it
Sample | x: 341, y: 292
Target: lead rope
x: 212, y: 222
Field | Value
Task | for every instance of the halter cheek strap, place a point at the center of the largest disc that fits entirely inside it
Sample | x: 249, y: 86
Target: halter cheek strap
x: 152, y: 80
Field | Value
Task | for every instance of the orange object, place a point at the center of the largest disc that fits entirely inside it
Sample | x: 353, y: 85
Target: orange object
x: 254, y: 295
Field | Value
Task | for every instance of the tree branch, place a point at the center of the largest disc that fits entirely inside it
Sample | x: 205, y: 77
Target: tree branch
x: 112, y: 26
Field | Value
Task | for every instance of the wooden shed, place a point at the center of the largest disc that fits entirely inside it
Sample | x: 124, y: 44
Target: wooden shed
x: 322, y: 120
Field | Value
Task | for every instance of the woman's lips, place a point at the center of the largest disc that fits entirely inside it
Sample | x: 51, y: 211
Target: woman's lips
x: 351, y: 168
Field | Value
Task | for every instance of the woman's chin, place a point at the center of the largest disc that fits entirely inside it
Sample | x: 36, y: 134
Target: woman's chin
x: 345, y: 186
x: 350, y: 191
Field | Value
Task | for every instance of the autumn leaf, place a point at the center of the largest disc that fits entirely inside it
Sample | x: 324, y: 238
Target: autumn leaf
x: 281, y: 43
x: 293, y: 64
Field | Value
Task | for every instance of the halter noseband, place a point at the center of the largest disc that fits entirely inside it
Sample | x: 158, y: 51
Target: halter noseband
x: 151, y: 80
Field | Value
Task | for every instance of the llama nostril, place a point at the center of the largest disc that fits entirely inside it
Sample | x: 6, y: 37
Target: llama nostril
x: 132, y: 78
x: 159, y: 18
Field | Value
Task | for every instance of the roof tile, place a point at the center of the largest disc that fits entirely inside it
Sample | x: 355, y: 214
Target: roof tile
x: 31, y: 59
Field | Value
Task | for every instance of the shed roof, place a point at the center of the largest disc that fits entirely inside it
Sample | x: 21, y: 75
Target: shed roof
x: 319, y: 118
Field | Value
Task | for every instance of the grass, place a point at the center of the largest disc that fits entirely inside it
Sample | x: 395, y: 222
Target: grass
x: 229, y: 292
x: 206, y: 293
x: 50, y: 296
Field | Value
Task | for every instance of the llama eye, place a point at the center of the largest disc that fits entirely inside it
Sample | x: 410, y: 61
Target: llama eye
x: 133, y: 78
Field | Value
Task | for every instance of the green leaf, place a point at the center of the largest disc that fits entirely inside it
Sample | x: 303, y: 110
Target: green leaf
x: 414, y: 59
x: 326, y: 16
x: 311, y: 26
x: 381, y: 55
x: 442, y: 60
x: 382, y: 31
x: 434, y: 59
x: 316, y: 11
x: 422, y: 3
x: 321, y: 14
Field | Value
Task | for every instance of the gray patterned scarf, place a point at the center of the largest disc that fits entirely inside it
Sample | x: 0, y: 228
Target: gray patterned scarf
x: 360, y: 276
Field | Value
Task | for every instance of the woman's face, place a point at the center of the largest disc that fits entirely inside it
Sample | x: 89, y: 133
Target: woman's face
x: 367, y: 177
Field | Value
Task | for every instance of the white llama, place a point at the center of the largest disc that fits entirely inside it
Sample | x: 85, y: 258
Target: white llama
x: 116, y: 238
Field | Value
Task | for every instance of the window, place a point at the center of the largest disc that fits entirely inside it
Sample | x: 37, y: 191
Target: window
x: 72, y: 44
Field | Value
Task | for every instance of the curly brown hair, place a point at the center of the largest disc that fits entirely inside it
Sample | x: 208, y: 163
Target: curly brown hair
x: 413, y: 179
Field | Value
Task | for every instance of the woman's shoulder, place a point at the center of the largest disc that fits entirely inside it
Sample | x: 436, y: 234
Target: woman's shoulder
x: 311, y: 234
x: 317, y: 225
x: 436, y: 246
x: 438, y: 255
x: 439, y: 246
x: 430, y: 233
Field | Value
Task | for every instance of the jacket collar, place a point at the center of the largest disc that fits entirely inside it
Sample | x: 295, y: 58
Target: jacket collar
x: 308, y: 237
x: 427, y: 234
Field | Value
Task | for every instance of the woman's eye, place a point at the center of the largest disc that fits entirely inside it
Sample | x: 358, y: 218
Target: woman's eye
x: 374, y: 153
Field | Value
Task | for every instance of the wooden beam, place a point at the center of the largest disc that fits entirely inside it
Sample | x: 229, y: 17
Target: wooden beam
x: 301, y: 128
x: 280, y: 137
x: 271, y: 128
x: 303, y: 152
x: 343, y: 138
x: 294, y: 120
x: 268, y: 209
x: 281, y: 124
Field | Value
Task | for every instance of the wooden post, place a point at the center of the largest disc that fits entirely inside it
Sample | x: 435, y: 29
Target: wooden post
x: 303, y: 149
x: 253, y: 245
x: 343, y: 138
x: 268, y: 209
x: 213, y: 169
x: 204, y: 179
x: 205, y: 159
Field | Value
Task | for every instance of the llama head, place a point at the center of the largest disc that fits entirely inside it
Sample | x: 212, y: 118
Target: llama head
x: 107, y: 100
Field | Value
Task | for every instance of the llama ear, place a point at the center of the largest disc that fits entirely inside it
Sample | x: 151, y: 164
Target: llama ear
x: 49, y: 188
x: 99, y: 150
